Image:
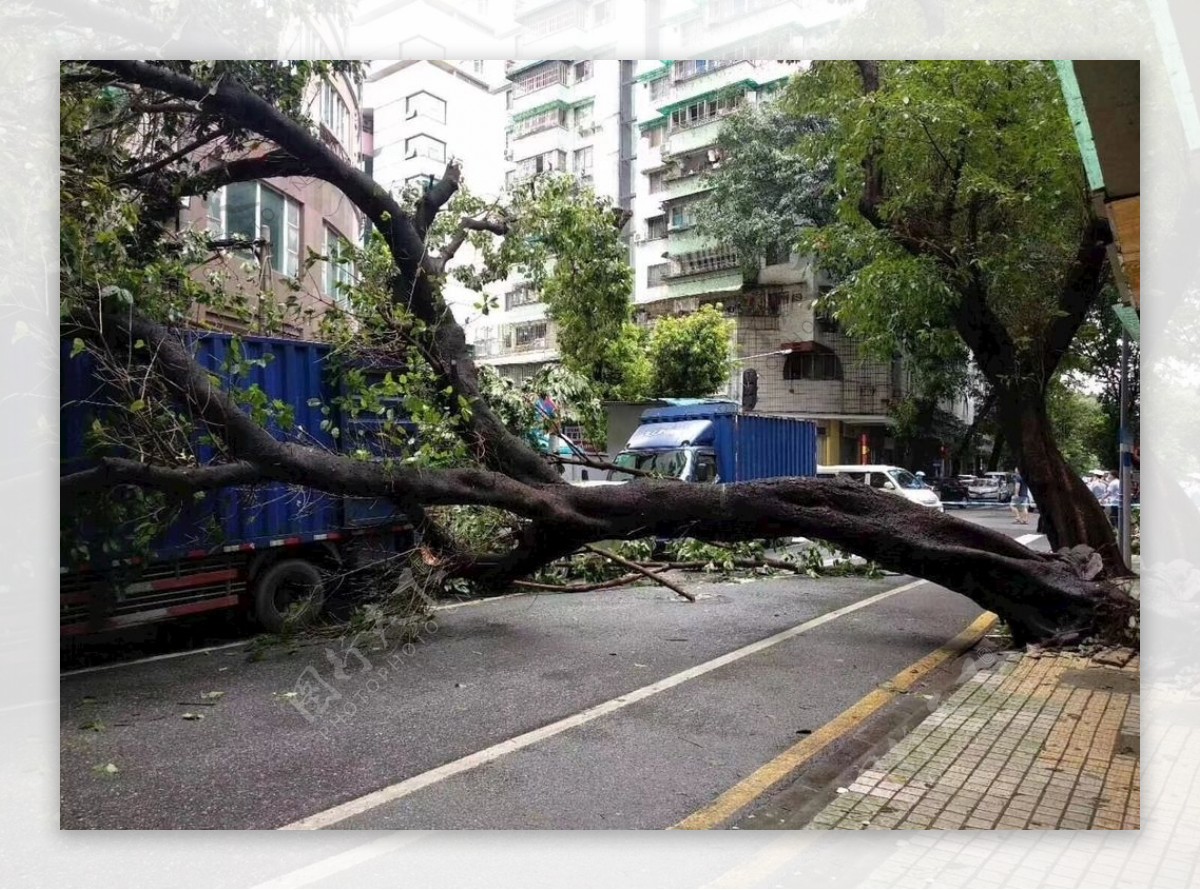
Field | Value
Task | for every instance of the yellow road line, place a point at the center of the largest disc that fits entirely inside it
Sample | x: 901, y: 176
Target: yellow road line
x: 767, y: 776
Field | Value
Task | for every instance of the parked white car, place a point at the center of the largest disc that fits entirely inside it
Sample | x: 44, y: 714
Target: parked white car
x: 894, y: 479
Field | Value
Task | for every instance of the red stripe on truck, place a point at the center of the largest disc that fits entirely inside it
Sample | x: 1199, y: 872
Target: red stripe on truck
x: 120, y: 621
x: 195, y: 580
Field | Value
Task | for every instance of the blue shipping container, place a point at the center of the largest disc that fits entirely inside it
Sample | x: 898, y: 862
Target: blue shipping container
x: 747, y: 446
x: 296, y: 373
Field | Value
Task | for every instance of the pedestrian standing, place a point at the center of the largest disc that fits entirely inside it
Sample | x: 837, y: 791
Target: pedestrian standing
x: 1112, y: 499
x: 1020, y: 499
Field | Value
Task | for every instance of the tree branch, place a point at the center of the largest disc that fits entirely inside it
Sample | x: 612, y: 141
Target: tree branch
x: 135, y: 175
x: 435, y: 197
x: 445, y: 346
x: 1083, y: 284
x: 111, y: 471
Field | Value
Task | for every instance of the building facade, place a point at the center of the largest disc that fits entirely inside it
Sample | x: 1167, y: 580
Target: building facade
x: 424, y: 114
x: 272, y: 226
x: 567, y: 116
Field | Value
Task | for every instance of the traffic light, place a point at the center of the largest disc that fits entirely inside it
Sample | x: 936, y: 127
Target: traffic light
x: 749, y: 389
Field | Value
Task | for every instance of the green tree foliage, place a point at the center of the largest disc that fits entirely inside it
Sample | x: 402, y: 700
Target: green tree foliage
x: 766, y: 190
x: 1080, y: 427
x: 981, y: 170
x: 566, y: 242
x: 962, y: 229
x: 689, y: 355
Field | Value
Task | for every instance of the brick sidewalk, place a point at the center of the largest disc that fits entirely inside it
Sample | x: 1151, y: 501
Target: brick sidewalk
x: 1047, y: 741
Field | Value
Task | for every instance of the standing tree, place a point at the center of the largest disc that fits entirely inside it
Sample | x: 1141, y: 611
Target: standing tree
x: 689, y: 355
x: 125, y: 277
x: 962, y: 223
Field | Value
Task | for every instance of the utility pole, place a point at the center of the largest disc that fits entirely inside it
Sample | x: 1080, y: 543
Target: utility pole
x: 1126, y: 455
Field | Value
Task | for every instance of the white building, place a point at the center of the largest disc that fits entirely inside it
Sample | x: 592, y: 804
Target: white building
x: 425, y: 113
x: 565, y: 115
x: 415, y: 29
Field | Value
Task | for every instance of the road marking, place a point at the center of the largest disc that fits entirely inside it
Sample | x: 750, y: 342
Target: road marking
x: 339, y: 862
x: 411, y: 785
x: 165, y: 657
x: 767, y: 776
x: 487, y: 599
x: 1029, y: 539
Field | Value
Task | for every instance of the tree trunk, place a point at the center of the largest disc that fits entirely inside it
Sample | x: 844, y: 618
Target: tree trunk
x: 1070, y: 512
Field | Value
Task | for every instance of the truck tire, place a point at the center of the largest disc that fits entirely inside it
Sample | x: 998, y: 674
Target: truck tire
x: 289, y: 593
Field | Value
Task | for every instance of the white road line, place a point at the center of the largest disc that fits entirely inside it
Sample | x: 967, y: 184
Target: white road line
x: 1029, y: 539
x: 164, y: 657
x: 325, y: 868
x: 487, y: 599
x: 344, y: 811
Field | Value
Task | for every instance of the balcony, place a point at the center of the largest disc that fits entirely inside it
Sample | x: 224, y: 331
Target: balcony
x: 683, y: 186
x: 702, y: 134
x: 685, y: 240
x: 686, y: 83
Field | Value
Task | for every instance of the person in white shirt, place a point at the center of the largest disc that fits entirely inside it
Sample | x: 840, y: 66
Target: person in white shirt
x: 1097, y: 487
x: 1112, y: 499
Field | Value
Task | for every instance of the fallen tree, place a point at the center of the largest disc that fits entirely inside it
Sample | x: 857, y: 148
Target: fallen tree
x: 1060, y: 598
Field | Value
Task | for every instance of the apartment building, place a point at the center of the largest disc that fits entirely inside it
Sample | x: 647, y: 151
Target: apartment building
x: 569, y: 116
x: 414, y: 29
x: 749, y: 29
x: 273, y: 224
x: 425, y: 113
x: 791, y: 359
x: 588, y: 29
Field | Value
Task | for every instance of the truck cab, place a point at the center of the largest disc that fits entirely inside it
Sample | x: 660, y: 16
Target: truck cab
x: 680, y: 450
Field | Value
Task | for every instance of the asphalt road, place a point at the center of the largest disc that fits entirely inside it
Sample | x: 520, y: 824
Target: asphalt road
x: 674, y: 732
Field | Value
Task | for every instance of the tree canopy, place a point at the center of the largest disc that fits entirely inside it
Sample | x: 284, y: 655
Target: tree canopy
x: 962, y: 228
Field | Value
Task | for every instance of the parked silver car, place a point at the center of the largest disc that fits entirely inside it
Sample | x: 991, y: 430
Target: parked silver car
x: 995, y: 486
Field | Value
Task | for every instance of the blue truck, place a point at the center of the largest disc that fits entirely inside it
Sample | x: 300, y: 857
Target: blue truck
x: 261, y: 549
x: 712, y: 441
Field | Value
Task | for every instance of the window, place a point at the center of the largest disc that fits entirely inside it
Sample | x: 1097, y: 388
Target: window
x: 819, y: 363
x: 531, y: 335
x: 697, y: 163
x: 583, y: 116
x: 425, y: 146
x: 582, y: 161
x: 706, y: 468
x: 656, y: 227
x: 659, y: 87
x: 425, y: 105
x: 655, y: 274
x: 424, y: 180
x: 655, y: 136
x: 572, y: 16
x: 477, y: 66
x: 216, y: 213
x: 657, y: 180
x: 778, y: 253
x: 339, y: 267
x: 554, y: 117
x: 334, y: 114
x: 602, y: 12
x: 252, y: 211
x: 683, y: 216
x: 583, y: 70
x: 704, y: 110
x: 542, y: 76
x: 521, y: 295
x: 694, y: 68
x: 543, y: 163
x: 715, y: 259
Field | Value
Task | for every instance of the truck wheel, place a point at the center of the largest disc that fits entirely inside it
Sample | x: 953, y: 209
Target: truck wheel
x: 288, y: 594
